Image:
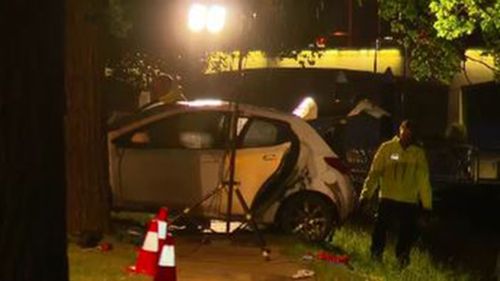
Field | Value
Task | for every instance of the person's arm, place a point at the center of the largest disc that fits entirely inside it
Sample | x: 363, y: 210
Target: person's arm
x: 374, y: 174
x: 425, y: 190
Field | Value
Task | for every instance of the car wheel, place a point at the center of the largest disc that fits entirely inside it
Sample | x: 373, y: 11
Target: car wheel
x: 309, y: 216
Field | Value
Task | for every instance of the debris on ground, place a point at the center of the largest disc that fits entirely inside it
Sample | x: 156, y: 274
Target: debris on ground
x: 302, y: 274
x: 342, y: 259
x: 102, y: 247
x: 307, y: 257
x: 105, y: 247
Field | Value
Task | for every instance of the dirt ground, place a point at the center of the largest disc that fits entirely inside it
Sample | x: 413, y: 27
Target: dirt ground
x: 237, y: 260
x: 207, y: 257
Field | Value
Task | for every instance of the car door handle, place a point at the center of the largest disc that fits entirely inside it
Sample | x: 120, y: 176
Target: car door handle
x: 269, y: 157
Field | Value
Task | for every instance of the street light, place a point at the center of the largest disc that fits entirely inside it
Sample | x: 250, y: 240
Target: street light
x: 202, y: 17
x: 216, y: 18
x: 197, y: 17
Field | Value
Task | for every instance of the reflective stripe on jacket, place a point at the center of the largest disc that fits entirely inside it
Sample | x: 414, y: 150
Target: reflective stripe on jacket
x: 402, y: 174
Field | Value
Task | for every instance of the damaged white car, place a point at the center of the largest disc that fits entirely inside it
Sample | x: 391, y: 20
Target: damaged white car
x: 174, y: 155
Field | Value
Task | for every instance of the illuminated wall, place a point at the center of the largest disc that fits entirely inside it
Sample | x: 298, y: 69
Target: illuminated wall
x: 351, y: 59
x: 361, y: 60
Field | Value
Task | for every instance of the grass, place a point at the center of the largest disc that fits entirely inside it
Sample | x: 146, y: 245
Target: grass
x: 324, y: 271
x: 94, y: 265
x: 355, y: 243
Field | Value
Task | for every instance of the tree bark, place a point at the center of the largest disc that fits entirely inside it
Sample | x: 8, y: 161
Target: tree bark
x: 32, y: 182
x: 86, y: 156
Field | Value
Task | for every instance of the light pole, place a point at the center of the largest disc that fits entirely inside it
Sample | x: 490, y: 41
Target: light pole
x: 378, y: 43
x: 212, y: 18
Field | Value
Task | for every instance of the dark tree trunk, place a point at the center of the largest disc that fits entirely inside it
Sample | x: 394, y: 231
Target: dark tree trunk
x: 85, y: 124
x: 32, y: 182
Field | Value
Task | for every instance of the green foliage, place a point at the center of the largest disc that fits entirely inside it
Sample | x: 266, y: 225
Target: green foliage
x: 459, y: 18
x: 356, y: 243
x: 440, y: 60
x: 137, y: 70
x: 121, y: 15
x: 437, y: 32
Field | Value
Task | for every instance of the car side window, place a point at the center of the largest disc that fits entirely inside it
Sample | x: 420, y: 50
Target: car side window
x: 262, y: 132
x: 193, y: 130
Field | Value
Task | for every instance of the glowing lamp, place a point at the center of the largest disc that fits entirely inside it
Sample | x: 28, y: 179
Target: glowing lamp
x: 197, y: 17
x: 211, y: 18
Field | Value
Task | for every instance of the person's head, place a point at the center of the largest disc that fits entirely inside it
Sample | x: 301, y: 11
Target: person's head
x: 161, y: 85
x: 407, y: 132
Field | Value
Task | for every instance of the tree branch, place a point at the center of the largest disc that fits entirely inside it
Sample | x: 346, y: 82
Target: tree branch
x: 466, y: 74
x: 492, y: 68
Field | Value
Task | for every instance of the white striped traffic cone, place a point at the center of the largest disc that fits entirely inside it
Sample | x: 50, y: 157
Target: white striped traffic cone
x: 162, y: 217
x: 148, y: 254
x: 166, y: 270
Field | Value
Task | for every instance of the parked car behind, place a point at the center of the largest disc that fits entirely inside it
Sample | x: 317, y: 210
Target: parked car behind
x: 174, y: 155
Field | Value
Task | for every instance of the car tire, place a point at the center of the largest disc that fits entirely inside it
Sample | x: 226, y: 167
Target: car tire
x: 308, y: 215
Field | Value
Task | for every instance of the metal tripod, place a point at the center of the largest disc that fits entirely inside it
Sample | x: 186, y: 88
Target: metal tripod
x: 231, y: 185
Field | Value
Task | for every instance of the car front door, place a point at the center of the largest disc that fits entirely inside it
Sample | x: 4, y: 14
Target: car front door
x: 160, y: 163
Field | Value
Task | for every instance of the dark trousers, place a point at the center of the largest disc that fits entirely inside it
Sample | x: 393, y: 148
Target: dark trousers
x: 392, y: 213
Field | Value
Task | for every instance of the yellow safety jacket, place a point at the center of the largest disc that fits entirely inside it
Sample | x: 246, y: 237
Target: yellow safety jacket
x: 402, y: 174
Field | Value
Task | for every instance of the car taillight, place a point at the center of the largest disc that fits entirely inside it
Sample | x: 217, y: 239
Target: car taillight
x: 337, y: 164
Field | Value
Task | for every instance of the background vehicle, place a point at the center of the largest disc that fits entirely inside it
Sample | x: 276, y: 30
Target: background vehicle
x: 173, y: 155
x: 459, y: 125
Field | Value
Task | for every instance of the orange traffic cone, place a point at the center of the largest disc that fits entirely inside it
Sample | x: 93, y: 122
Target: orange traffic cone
x: 166, y: 270
x: 148, y: 254
x: 162, y: 217
x: 162, y: 214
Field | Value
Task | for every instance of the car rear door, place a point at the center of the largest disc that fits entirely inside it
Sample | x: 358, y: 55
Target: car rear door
x: 262, y: 148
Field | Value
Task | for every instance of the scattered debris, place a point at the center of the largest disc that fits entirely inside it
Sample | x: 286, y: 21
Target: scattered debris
x: 307, y: 257
x: 105, y: 247
x: 342, y: 259
x: 303, y: 273
x: 135, y: 231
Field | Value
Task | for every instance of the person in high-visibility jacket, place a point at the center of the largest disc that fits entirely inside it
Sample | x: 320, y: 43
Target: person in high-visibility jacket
x: 400, y: 170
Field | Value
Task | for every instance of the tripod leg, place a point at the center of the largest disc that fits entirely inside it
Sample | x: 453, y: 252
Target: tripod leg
x: 249, y: 217
x: 197, y: 204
